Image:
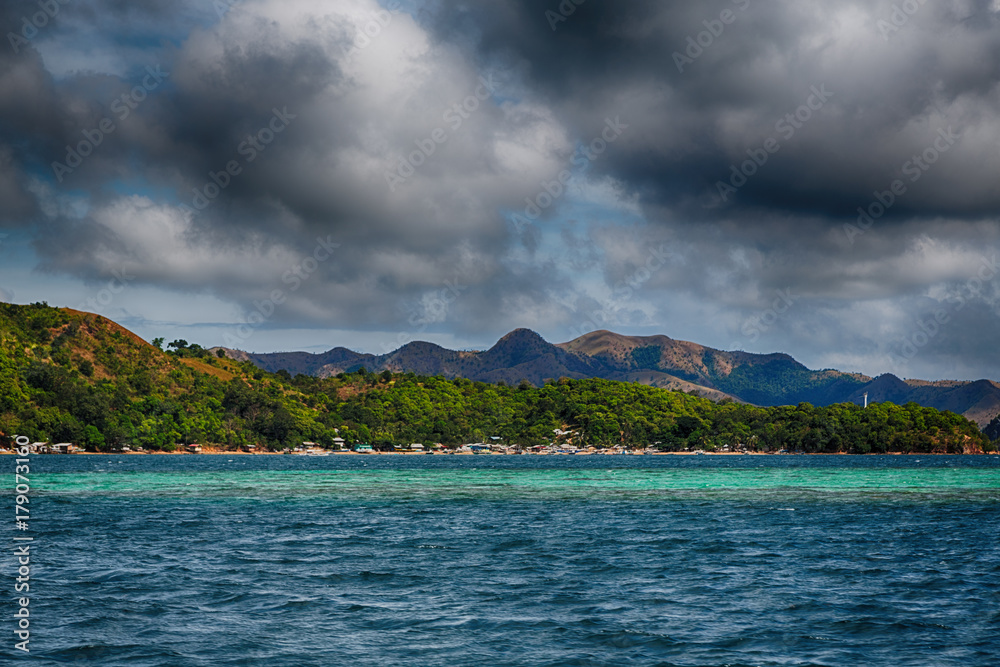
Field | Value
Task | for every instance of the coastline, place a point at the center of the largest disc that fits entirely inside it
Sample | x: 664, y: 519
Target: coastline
x: 269, y: 453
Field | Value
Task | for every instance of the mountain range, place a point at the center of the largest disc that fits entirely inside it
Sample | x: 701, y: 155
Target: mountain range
x: 660, y: 361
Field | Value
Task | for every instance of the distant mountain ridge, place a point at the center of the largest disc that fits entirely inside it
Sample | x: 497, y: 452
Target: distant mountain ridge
x: 660, y: 361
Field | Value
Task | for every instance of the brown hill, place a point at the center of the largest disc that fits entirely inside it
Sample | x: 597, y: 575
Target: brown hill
x: 661, y: 361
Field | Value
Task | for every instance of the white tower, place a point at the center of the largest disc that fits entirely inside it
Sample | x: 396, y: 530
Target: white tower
x: 866, y: 399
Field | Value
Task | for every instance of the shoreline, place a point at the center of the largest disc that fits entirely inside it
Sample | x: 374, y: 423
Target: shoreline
x: 268, y: 453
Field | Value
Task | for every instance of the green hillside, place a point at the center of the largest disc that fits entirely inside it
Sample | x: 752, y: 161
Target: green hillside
x: 782, y: 381
x: 67, y: 376
x: 394, y: 408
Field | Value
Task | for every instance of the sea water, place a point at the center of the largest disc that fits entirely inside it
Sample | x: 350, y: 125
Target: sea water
x: 510, y: 560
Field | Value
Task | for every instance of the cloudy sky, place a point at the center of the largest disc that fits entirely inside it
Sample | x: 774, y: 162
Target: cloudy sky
x: 818, y: 178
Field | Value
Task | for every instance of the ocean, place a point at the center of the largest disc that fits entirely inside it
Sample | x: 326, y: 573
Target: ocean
x: 509, y: 560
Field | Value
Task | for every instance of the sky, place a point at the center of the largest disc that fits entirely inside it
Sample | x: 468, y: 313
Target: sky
x: 810, y: 177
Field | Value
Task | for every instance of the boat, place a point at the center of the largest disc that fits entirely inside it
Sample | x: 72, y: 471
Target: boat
x: 313, y: 452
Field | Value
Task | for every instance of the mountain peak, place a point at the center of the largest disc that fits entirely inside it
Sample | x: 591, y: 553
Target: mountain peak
x: 518, y: 346
x: 888, y: 380
x: 522, y: 336
x: 887, y: 387
x: 418, y: 347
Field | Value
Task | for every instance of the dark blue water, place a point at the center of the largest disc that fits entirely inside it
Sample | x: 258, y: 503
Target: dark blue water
x: 389, y: 560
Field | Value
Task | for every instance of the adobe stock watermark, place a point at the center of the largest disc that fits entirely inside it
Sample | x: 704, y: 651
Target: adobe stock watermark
x: 899, y: 17
x: 455, y: 116
x: 697, y: 44
x: 294, y: 278
x: 119, y: 281
x: 757, y: 325
x: 552, y: 190
x: 928, y: 328
x: 786, y: 126
x: 30, y: 25
x: 249, y: 149
x: 122, y: 107
x: 370, y: 29
x: 22, y: 542
x: 622, y: 292
x: 435, y: 307
x: 566, y: 9
x: 914, y: 168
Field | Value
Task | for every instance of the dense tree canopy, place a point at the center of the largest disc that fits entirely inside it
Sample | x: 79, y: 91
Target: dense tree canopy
x: 71, y: 377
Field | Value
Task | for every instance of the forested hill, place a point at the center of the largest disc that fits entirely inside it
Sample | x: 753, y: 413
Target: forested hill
x: 67, y: 376
x: 658, y: 361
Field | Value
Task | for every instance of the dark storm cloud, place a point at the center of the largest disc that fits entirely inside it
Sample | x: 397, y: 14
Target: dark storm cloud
x: 27, y: 112
x: 904, y: 100
x: 322, y: 177
x: 838, y: 101
x: 888, y: 96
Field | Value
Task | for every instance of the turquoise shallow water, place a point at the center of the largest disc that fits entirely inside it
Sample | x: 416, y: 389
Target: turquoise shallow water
x: 386, y: 560
x: 538, y: 484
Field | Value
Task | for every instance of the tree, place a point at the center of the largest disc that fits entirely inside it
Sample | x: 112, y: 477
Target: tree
x: 158, y: 343
x: 993, y: 430
x: 92, y: 439
x: 282, y: 423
